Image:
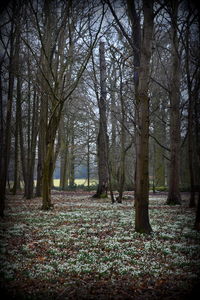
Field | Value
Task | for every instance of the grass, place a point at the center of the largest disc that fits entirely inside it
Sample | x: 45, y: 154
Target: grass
x: 93, y: 242
x: 78, y: 182
x: 56, y: 182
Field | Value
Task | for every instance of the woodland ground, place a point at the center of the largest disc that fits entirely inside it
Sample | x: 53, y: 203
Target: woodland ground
x: 87, y: 249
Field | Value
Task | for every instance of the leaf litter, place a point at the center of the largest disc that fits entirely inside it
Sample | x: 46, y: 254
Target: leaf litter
x: 88, y: 249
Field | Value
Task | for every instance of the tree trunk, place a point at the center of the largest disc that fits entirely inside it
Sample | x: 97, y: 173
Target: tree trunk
x: 197, y: 218
x: 72, y: 159
x: 159, y: 152
x: 113, y: 115
x: 190, y: 119
x: 88, y: 155
x: 33, y: 142
x: 121, y: 175
x: 190, y: 153
x: 39, y: 172
x: 16, y: 184
x: 47, y: 172
x: 7, y: 127
x: 142, y: 223
x: 102, y: 142
x: 174, y: 173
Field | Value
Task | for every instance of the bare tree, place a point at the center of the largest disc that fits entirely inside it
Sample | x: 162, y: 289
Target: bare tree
x: 102, y: 142
x: 142, y: 178
x: 142, y: 55
x: 174, y: 196
x: 6, y: 137
x: 50, y: 118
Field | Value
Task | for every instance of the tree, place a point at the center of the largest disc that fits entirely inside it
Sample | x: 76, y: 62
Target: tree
x: 6, y: 129
x: 16, y: 183
x: 142, y: 179
x: 142, y: 55
x: 51, y: 122
x: 174, y: 196
x: 102, y: 141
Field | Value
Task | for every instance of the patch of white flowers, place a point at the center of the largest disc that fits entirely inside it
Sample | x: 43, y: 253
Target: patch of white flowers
x: 98, y: 238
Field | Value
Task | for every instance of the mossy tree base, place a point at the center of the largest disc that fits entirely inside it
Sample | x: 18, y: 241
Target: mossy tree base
x: 102, y: 192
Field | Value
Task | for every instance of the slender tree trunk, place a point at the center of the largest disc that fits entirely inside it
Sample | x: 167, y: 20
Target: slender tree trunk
x: 72, y: 158
x: 39, y: 172
x: 64, y: 149
x: 16, y: 165
x: 190, y: 120
x: 7, y: 127
x: 142, y: 223
x: 159, y: 133
x: 113, y: 147
x: 174, y: 196
x: 190, y: 153
x: 121, y: 174
x: 88, y: 156
x: 46, y: 141
x: 197, y: 137
x: 63, y: 168
x: 102, y: 142
x: 136, y: 37
x: 33, y: 142
x: 21, y: 137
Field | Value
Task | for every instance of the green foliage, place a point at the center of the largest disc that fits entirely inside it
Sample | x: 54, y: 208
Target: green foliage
x: 77, y: 187
x: 161, y: 188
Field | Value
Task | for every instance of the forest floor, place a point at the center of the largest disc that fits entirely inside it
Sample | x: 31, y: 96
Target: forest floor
x: 87, y: 248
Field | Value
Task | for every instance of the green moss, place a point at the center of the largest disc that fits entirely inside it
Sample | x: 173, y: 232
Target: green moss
x: 104, y: 195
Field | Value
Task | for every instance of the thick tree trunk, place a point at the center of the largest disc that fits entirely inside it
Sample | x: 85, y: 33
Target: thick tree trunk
x: 174, y: 173
x: 102, y: 142
x: 142, y: 223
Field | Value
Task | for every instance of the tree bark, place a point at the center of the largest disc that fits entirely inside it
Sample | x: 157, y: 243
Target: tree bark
x: 33, y: 142
x: 190, y: 119
x: 113, y: 147
x: 121, y: 173
x: 159, y: 152
x: 142, y: 223
x: 102, y: 142
x: 174, y: 196
x: 72, y: 159
x: 16, y: 184
x: 7, y: 127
